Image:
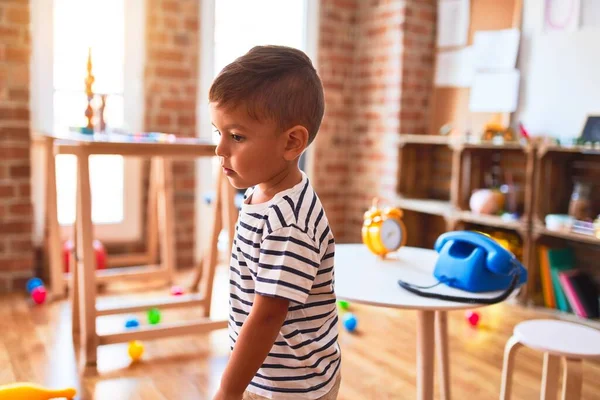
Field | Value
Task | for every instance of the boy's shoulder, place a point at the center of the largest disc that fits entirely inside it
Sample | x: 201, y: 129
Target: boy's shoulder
x: 296, y: 211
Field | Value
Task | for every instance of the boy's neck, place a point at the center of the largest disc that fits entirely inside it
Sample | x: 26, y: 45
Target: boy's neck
x: 286, y: 179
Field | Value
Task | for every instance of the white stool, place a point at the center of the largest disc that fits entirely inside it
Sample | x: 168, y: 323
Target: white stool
x: 557, y: 339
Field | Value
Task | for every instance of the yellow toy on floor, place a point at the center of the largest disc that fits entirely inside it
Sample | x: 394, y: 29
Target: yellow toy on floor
x: 31, y: 391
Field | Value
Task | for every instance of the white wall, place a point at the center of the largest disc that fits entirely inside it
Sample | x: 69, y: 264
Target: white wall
x: 560, y: 72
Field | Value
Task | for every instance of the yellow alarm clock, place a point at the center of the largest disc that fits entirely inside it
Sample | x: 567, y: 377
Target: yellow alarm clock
x: 383, y: 231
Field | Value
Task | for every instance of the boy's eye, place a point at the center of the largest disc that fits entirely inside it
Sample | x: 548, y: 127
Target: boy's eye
x: 236, y: 138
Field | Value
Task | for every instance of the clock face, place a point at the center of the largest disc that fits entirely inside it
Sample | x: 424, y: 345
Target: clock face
x: 391, y: 234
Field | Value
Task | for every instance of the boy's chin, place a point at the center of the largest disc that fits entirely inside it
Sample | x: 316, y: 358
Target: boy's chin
x: 237, y: 183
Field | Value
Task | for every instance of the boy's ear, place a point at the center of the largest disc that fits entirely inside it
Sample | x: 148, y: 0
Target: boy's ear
x: 296, y: 142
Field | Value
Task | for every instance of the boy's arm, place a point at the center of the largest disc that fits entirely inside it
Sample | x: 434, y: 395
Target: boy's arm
x: 253, y: 344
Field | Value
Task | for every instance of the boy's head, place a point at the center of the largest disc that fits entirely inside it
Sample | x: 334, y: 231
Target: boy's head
x: 267, y: 106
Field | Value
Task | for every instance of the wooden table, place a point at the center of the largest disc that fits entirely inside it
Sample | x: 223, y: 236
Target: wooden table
x: 85, y: 276
x: 364, y: 278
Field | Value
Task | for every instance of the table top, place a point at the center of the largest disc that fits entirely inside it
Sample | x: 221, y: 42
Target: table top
x: 362, y: 277
x: 560, y: 338
x: 148, y: 144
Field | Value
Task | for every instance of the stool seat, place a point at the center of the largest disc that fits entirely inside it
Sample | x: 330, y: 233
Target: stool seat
x: 560, y: 338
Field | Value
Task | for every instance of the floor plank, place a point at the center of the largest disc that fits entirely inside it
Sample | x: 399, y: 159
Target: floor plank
x: 378, y: 360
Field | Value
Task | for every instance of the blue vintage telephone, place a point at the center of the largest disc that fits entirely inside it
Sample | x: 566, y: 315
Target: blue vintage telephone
x: 476, y: 263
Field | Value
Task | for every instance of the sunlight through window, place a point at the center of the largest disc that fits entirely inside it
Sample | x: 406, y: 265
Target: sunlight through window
x: 80, y: 25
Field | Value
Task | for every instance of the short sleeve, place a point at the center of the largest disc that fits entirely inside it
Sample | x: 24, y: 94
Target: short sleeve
x: 288, y: 264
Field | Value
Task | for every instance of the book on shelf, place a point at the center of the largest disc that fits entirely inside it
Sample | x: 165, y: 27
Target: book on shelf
x: 581, y: 292
x: 559, y: 260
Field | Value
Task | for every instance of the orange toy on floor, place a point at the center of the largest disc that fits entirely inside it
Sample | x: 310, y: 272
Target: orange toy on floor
x: 31, y: 391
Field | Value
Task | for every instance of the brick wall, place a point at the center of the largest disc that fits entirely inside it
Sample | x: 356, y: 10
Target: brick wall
x: 376, y: 62
x: 171, y: 90
x: 16, y: 215
x: 335, y: 66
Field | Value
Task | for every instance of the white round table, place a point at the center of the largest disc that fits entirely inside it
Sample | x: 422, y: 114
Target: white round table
x: 362, y: 277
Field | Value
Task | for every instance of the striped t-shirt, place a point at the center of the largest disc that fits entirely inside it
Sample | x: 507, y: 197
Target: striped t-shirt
x: 285, y: 248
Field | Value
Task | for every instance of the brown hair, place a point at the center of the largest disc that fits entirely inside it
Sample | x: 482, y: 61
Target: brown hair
x: 273, y: 82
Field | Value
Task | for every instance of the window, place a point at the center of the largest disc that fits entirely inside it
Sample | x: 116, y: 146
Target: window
x: 113, y: 31
x: 74, y: 36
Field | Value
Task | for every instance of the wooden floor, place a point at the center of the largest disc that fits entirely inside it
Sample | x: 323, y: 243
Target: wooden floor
x: 378, y: 359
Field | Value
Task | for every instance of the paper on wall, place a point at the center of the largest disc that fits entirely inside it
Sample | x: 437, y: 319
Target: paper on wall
x: 453, y: 22
x: 563, y: 15
x: 454, y: 68
x: 495, y: 92
x: 496, y: 50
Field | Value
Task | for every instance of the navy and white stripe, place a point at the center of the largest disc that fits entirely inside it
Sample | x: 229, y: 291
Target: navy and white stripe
x: 285, y: 248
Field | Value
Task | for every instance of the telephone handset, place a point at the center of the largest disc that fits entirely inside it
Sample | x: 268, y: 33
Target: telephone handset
x: 476, y: 263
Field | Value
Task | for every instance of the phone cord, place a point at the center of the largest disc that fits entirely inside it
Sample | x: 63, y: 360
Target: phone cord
x: 471, y: 300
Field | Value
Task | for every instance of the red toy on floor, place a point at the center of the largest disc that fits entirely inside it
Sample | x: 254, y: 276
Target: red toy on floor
x: 99, y: 251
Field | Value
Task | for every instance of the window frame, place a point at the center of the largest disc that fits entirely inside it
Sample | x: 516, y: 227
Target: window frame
x: 42, y: 117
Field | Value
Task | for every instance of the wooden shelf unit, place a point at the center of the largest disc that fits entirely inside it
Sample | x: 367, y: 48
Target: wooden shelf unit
x: 437, y: 176
x: 544, y: 173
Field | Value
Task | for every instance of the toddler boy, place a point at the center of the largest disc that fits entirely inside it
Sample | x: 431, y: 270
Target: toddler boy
x: 267, y: 107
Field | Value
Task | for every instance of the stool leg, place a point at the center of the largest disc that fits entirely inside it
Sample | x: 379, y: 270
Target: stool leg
x: 550, y: 377
x: 510, y: 351
x: 571, y: 379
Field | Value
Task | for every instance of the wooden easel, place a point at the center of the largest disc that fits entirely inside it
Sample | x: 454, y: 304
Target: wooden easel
x: 143, y: 265
x: 85, y: 276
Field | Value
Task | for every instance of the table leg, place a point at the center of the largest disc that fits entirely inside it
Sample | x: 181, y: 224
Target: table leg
x: 166, y: 220
x: 441, y: 346
x: 425, y: 350
x: 86, y: 264
x: 57, y: 285
x: 74, y: 290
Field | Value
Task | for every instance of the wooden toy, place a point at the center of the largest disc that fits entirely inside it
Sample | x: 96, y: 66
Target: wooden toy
x: 32, y: 391
x: 383, y: 231
x: 350, y: 322
x: 89, y: 81
x: 153, y: 316
x: 472, y: 317
x: 135, y: 350
x: 39, y: 294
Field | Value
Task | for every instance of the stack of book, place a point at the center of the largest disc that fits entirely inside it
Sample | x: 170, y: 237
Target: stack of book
x: 567, y: 287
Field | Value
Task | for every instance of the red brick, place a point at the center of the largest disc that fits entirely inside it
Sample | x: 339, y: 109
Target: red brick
x: 17, y: 54
x: 8, y: 152
x: 9, y: 228
x: 24, y: 190
x: 191, y: 24
x: 167, y: 55
x: 171, y: 6
x: 13, y: 113
x: 17, y: 264
x: 20, y: 95
x: 20, y: 245
x: 18, y: 14
x: 166, y: 72
x: 6, y: 190
x: 20, y: 209
x: 20, y: 171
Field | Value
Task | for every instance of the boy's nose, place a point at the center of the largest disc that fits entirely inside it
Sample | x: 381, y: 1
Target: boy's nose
x: 220, y: 149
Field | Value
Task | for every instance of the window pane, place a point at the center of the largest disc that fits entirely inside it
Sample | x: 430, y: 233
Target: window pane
x: 106, y: 178
x: 241, y: 25
x: 78, y: 26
